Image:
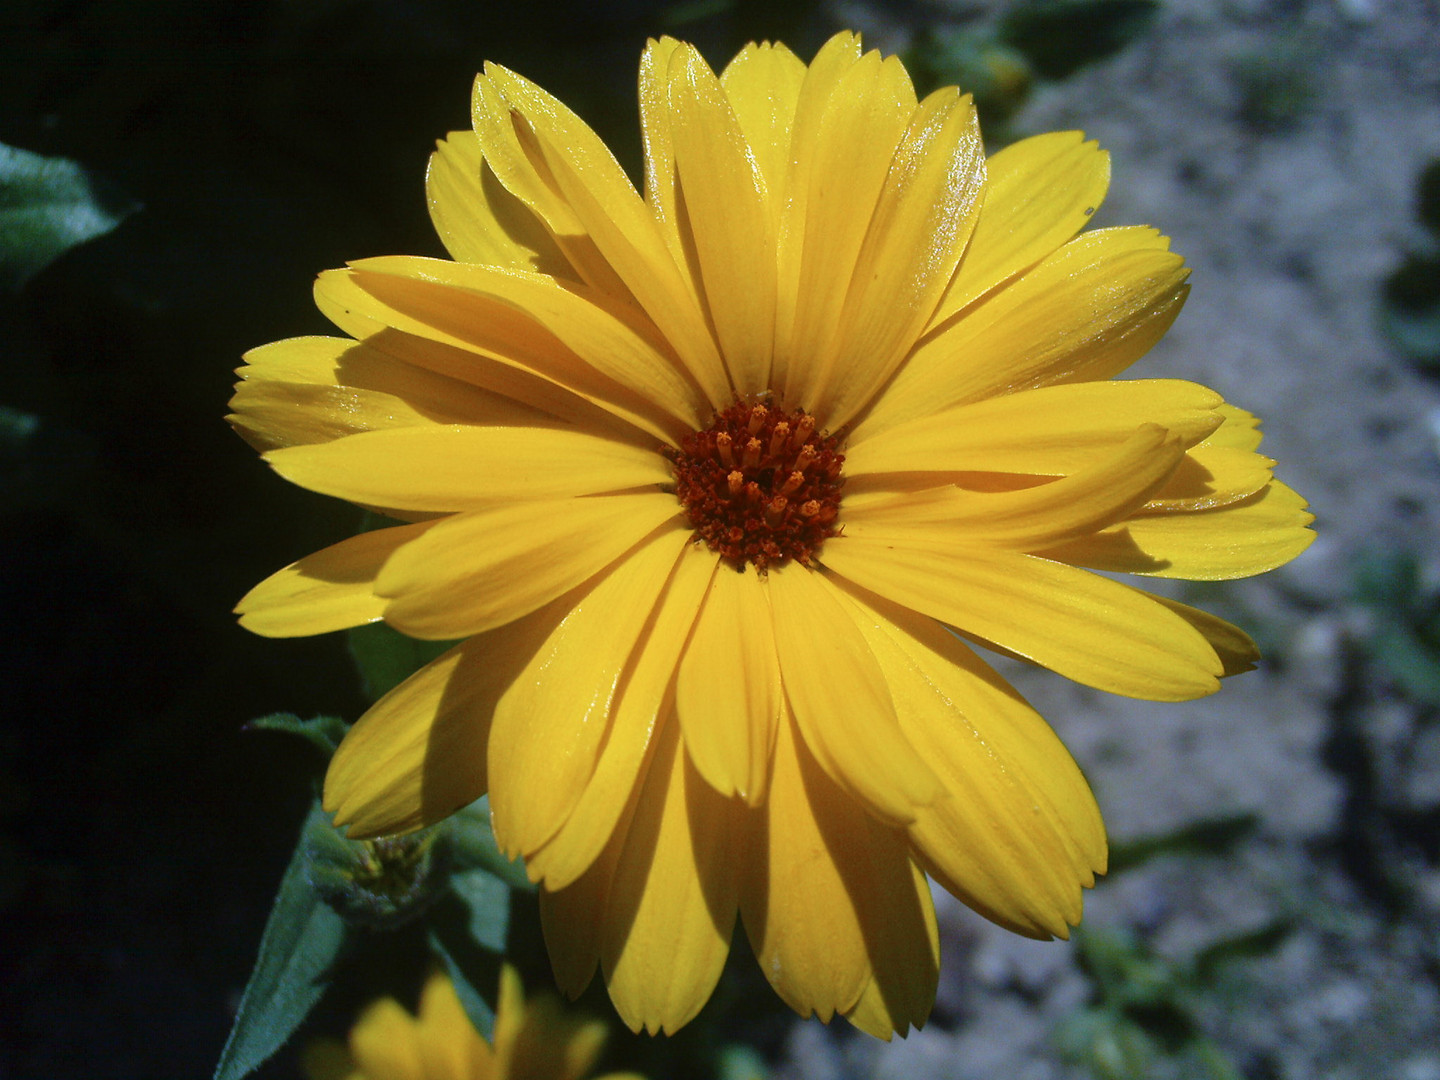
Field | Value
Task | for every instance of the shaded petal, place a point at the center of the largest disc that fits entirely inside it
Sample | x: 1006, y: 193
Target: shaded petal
x: 900, y: 996
x: 839, y: 698
x: 550, y: 724
x: 1041, y: 191
x: 1085, y: 627
x: 1237, y: 652
x: 419, y: 753
x: 598, y: 197
x: 478, y: 570
x: 850, y: 118
x: 1064, y: 509
x: 829, y: 898
x: 573, y: 919
x: 1208, y: 477
x: 728, y: 692
x: 478, y: 220
x: 721, y: 204
x: 644, y: 706
x: 1248, y: 537
x: 1053, y: 430
x: 1017, y: 833
x: 477, y: 340
x: 672, y: 904
x: 920, y: 227
x: 333, y: 589
x: 460, y: 467
x: 386, y: 351
x: 451, y: 296
x: 1085, y: 313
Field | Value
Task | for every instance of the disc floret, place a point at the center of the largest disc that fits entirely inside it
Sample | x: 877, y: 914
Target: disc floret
x: 760, y: 485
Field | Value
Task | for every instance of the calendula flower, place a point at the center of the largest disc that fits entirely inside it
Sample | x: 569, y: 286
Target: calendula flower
x: 718, y: 481
x: 534, y: 1040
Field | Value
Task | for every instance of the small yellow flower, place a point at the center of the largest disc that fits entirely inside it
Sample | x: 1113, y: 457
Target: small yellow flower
x: 718, y: 481
x: 534, y: 1040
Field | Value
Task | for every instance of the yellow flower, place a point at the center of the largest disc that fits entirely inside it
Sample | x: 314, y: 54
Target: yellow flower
x: 701, y: 676
x: 534, y: 1040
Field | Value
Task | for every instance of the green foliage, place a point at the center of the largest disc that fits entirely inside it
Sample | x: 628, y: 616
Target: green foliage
x: 47, y: 206
x: 1277, y: 83
x: 1212, y: 836
x: 302, y: 940
x: 1061, y: 36
x: 1144, y: 1006
x: 451, y: 881
x: 1405, y: 638
x: 1409, y: 311
x: 386, y: 657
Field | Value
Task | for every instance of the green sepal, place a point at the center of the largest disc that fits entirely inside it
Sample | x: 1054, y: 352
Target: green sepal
x: 473, y: 846
x: 386, y: 657
x: 46, y: 208
x: 1061, y: 36
x: 302, y: 939
x: 323, y: 732
x: 468, y: 927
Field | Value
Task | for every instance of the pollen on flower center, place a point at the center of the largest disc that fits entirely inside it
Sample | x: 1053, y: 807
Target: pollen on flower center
x: 760, y: 485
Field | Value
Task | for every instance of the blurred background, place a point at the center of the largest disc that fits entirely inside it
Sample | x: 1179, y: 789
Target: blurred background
x: 179, y: 171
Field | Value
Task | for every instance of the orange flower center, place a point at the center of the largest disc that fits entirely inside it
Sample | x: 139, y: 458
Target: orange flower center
x: 760, y: 485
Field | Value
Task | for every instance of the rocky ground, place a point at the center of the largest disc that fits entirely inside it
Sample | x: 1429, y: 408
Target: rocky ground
x: 1275, y: 910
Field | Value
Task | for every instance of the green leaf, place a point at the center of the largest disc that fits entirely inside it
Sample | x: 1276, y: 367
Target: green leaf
x: 1250, y: 945
x: 1213, y: 836
x: 46, y: 208
x: 1061, y: 36
x: 323, y: 732
x: 467, y: 931
x: 302, y: 939
x: 472, y: 846
x: 386, y: 657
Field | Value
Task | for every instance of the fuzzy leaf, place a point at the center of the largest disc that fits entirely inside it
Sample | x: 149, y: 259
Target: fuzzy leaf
x: 323, y: 732
x: 46, y: 208
x: 302, y: 938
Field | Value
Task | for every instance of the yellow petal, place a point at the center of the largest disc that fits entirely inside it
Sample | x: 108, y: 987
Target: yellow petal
x: 644, y: 706
x: 418, y: 754
x: 723, y: 202
x: 1041, y: 191
x: 475, y: 571
x: 605, y: 205
x: 1087, y: 312
x: 846, y: 133
x: 839, y: 698
x: 1085, y: 627
x: 505, y: 365
x: 550, y: 724
x: 460, y: 467
x: 330, y: 590
x: 452, y: 297
x: 509, y: 1019
x: 1210, y: 476
x: 328, y: 1059
x: 1064, y: 509
x: 896, y: 998
x: 763, y: 84
x: 1053, y: 430
x: 728, y: 688
x: 449, y: 1044
x: 1235, y: 648
x: 310, y: 359
x: 920, y: 227
x: 1248, y: 537
x: 828, y: 900
x: 672, y: 905
x: 384, y: 1042
x: 1240, y: 431
x: 552, y: 1044
x: 478, y: 220
x: 1017, y: 833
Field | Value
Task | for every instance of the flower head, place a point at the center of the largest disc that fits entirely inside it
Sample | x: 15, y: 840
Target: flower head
x: 534, y: 1040
x: 717, y: 483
